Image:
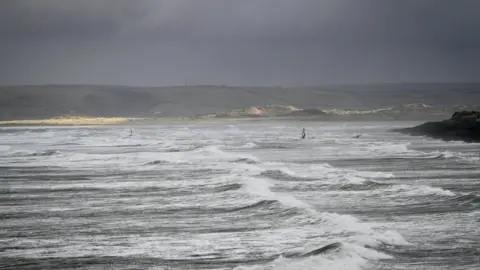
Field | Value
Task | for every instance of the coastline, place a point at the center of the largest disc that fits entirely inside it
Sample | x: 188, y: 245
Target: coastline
x: 115, y: 121
x: 67, y: 121
x: 465, y: 127
x: 124, y: 121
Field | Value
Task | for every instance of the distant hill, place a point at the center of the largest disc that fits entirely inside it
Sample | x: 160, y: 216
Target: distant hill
x: 40, y: 102
x: 418, y: 111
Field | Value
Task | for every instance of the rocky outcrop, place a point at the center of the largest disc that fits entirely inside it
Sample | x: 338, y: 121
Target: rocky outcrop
x: 463, y: 126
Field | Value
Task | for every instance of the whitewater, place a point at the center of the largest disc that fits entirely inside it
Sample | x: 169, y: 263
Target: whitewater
x: 237, y: 196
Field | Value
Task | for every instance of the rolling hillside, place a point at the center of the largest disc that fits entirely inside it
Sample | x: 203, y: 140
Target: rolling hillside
x: 40, y: 102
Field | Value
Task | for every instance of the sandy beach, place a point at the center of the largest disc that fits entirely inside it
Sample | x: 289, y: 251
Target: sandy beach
x: 68, y: 121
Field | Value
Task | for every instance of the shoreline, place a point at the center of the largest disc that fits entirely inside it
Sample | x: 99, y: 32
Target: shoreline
x: 462, y: 126
x: 67, y: 121
x: 121, y: 121
x: 114, y: 121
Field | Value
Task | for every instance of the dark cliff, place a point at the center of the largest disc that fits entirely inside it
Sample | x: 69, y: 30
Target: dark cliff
x: 463, y: 126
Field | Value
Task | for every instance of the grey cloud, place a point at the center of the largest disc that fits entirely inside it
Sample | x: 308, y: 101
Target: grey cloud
x: 58, y: 19
x: 158, y: 42
x: 366, y: 21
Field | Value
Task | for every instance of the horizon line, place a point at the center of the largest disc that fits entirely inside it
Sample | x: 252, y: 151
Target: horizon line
x: 240, y: 86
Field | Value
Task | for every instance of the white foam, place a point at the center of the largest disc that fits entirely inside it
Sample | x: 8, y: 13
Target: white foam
x: 249, y: 145
x: 366, y: 253
x: 389, y: 148
x: 349, y: 257
x: 352, y: 179
x: 448, y: 154
x: 393, y: 238
x: 326, y: 172
x: 373, y: 175
x: 215, y: 156
x: 136, y: 160
x: 472, y: 157
x: 214, y: 152
x: 345, y: 262
x: 408, y: 190
x: 20, y: 153
x: 261, y: 187
x: 112, y: 184
x: 345, y: 222
x: 281, y: 167
x: 375, y: 239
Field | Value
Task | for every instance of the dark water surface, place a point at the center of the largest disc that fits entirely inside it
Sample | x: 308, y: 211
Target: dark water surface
x: 240, y: 196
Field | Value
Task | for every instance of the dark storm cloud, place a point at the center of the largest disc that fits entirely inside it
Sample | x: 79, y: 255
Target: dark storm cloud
x: 355, y: 21
x: 224, y: 37
x: 58, y: 19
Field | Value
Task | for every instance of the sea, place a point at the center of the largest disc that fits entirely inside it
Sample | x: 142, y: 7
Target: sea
x: 237, y: 195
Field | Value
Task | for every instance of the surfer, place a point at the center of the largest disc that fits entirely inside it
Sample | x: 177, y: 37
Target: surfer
x: 357, y: 136
x: 303, y: 134
x: 131, y: 132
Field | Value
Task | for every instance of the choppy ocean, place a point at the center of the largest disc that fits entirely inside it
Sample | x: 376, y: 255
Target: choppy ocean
x: 237, y: 196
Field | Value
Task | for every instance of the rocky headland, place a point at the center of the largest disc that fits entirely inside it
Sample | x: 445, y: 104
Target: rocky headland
x: 462, y: 126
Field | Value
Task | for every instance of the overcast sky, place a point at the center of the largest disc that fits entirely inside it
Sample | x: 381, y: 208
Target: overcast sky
x: 238, y: 42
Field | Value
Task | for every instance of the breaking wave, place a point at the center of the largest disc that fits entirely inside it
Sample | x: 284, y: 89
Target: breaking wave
x: 44, y: 153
